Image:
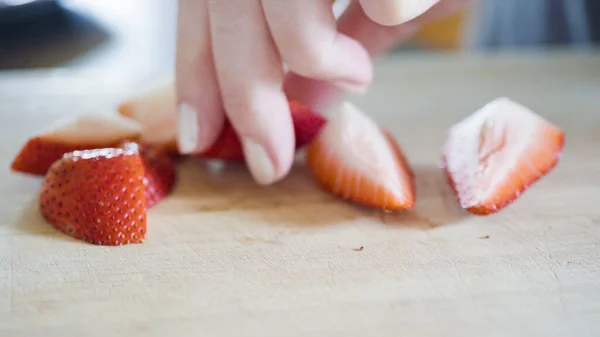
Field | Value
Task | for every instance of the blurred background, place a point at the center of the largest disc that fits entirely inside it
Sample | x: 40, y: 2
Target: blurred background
x: 138, y: 35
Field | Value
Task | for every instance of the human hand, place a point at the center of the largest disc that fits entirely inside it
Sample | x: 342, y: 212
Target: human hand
x: 376, y: 38
x: 230, y: 58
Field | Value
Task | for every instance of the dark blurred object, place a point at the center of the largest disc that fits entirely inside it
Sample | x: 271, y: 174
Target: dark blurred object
x: 44, y: 34
x: 537, y: 23
x: 22, y: 10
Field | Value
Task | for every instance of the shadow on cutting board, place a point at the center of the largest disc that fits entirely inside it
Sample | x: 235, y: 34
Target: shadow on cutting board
x: 31, y: 221
x: 436, y: 204
x: 299, y: 201
x: 295, y: 201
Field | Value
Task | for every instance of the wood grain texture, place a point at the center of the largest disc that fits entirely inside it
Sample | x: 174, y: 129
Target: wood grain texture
x: 225, y: 257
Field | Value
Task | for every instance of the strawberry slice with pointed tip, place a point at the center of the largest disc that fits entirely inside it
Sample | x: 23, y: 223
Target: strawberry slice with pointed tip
x: 494, y: 155
x: 156, y: 110
x: 88, y: 131
x: 160, y: 172
x: 353, y: 158
x: 97, y: 196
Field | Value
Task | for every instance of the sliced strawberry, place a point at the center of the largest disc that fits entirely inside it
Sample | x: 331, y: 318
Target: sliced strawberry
x: 354, y: 159
x: 161, y: 173
x: 307, y: 124
x: 82, y: 132
x: 227, y: 146
x: 494, y: 155
x: 97, y: 196
x: 156, y: 111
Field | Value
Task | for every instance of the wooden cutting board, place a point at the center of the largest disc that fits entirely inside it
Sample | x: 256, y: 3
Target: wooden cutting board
x: 225, y: 257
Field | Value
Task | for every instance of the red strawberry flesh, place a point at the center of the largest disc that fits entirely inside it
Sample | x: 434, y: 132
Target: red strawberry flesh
x: 307, y: 123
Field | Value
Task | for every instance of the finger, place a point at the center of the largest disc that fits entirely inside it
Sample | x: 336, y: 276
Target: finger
x: 376, y: 39
x: 395, y: 12
x: 250, y: 75
x: 321, y: 95
x: 315, y: 49
x: 201, y: 115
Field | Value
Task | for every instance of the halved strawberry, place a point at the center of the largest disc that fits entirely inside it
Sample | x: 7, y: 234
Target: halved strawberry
x: 156, y: 111
x: 494, y: 155
x: 97, y: 196
x: 354, y: 159
x: 82, y: 132
x: 160, y: 172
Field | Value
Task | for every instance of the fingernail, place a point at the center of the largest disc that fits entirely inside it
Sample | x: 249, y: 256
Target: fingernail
x: 407, y: 10
x: 187, y: 129
x: 350, y: 87
x: 396, y: 12
x: 259, y: 162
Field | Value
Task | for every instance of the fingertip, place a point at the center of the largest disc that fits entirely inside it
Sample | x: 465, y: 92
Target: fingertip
x: 269, y: 156
x: 259, y: 162
x: 358, y: 60
x: 267, y: 135
x: 198, y: 129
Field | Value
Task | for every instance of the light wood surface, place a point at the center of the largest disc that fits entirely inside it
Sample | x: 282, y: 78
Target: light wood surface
x: 224, y: 257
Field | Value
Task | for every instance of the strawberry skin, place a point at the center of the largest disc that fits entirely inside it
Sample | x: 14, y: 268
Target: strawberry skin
x: 493, y: 156
x: 82, y: 132
x: 97, y: 196
x: 160, y: 172
x: 37, y: 155
x: 228, y: 147
x: 353, y: 158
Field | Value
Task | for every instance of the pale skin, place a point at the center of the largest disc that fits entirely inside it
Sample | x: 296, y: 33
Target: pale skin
x: 230, y: 57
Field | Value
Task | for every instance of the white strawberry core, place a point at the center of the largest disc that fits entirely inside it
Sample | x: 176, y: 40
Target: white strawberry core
x: 93, y: 128
x: 482, y: 150
x: 358, y: 142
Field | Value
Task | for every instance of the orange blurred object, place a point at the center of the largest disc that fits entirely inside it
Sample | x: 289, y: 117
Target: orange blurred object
x: 446, y: 33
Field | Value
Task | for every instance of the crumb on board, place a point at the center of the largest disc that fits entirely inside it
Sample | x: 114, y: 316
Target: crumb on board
x: 484, y: 237
x: 358, y: 249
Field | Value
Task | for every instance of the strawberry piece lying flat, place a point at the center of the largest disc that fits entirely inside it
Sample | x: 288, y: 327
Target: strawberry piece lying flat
x: 307, y: 124
x: 160, y: 172
x: 494, y: 155
x: 156, y: 111
x: 97, y: 196
x: 80, y: 133
x: 354, y: 159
